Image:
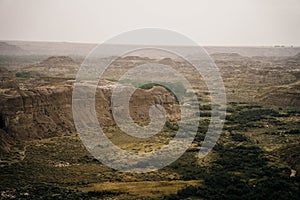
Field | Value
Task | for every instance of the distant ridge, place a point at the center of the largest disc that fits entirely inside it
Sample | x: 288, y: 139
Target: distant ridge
x: 54, y: 48
x: 82, y: 49
x: 9, y: 49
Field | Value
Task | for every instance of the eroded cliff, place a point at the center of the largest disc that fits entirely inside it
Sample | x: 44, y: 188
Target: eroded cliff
x: 33, y: 111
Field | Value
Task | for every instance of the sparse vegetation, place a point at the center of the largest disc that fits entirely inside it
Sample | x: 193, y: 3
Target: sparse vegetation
x: 24, y: 75
x: 237, y: 167
x: 253, y: 158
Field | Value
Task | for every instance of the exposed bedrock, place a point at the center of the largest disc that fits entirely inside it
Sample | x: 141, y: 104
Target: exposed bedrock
x: 46, y: 111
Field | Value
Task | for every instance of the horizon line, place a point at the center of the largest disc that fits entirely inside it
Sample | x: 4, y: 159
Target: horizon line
x: 203, y: 45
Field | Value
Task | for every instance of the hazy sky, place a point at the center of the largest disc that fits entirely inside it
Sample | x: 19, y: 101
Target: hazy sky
x: 208, y: 22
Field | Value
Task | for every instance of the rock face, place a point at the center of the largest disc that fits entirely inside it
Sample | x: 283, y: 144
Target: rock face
x: 46, y: 111
x: 31, y: 114
x: 139, y: 104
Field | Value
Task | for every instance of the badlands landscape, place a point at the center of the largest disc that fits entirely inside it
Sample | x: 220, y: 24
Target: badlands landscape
x: 256, y: 157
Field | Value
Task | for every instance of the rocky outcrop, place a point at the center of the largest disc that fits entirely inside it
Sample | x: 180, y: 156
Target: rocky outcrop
x: 31, y: 114
x: 46, y: 111
x: 139, y: 104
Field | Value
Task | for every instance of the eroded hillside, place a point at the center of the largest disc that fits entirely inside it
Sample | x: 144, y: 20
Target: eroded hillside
x: 256, y: 156
x: 40, y: 108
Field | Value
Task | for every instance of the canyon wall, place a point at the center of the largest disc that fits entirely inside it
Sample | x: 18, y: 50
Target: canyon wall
x: 46, y: 110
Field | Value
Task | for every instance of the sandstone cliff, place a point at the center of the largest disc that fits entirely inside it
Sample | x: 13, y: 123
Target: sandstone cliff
x: 36, y: 113
x: 28, y: 111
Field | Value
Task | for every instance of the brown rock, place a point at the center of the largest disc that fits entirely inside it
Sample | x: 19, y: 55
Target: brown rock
x: 46, y: 111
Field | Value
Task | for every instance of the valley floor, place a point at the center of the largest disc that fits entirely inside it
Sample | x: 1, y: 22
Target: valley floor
x: 254, y: 159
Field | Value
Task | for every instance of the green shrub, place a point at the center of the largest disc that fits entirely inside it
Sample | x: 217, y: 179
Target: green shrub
x: 23, y: 75
x: 293, y: 131
x: 172, y: 125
